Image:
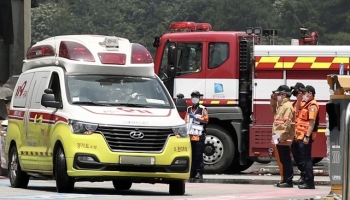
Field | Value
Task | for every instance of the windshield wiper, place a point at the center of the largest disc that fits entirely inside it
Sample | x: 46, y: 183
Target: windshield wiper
x: 90, y: 103
x: 131, y: 105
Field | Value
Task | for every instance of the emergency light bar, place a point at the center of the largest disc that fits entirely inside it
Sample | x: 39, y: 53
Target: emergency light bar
x: 112, y: 58
x: 75, y: 51
x: 140, y: 55
x: 40, y: 51
x: 190, y: 26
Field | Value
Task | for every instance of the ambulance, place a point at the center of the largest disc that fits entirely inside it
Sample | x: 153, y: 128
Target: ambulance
x: 91, y: 108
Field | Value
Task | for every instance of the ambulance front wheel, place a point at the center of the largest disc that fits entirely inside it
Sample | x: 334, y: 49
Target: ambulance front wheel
x: 122, y: 185
x: 177, y: 187
x: 18, y: 178
x: 219, y: 150
x: 64, y: 183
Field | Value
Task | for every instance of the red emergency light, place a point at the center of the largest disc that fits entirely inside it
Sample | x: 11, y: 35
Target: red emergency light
x: 191, y: 26
x: 203, y: 27
x: 112, y: 58
x: 182, y: 25
x: 40, y: 51
x: 75, y: 51
x: 140, y: 55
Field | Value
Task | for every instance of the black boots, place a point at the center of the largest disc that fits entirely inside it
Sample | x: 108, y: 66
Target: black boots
x: 299, y: 182
x: 306, y: 186
x: 198, y: 176
x: 284, y: 185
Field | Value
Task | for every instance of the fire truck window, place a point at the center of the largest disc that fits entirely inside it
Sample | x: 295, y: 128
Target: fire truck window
x: 218, y: 54
x: 163, y: 67
x: 189, y: 58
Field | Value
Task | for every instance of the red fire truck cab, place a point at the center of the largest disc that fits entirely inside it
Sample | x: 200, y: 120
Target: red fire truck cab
x: 237, y: 88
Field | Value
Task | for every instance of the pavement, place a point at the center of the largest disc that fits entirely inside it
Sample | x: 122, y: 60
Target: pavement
x: 255, y: 183
x: 41, y: 189
x: 254, y: 179
x: 265, y: 174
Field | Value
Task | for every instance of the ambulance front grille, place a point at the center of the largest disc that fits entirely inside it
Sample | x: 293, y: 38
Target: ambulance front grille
x: 119, y: 139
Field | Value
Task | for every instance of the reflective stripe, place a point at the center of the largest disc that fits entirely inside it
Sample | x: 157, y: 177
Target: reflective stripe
x: 301, y: 62
x: 32, y: 153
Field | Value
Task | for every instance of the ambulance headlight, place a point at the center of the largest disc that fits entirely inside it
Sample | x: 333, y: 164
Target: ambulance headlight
x: 82, y: 127
x: 180, y: 131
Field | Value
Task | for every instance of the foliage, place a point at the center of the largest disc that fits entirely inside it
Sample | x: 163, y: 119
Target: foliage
x: 141, y: 20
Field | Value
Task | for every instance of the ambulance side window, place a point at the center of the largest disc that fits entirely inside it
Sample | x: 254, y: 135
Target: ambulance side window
x: 39, y: 84
x: 189, y: 58
x: 218, y: 54
x: 56, y: 87
x: 21, y: 91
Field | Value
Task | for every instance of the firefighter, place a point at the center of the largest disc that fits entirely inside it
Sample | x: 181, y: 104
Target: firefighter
x: 307, y: 121
x: 197, y: 118
x: 283, y: 127
x: 298, y: 104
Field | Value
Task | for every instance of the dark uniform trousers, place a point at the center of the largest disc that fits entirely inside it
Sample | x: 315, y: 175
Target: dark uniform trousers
x: 197, y: 156
x: 198, y: 146
x: 285, y: 162
x: 302, y: 156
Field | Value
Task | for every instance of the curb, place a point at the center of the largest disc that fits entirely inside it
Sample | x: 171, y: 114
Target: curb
x: 248, y: 181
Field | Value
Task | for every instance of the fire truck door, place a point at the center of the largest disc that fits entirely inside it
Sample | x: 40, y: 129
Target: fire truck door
x: 265, y: 81
x: 190, y: 73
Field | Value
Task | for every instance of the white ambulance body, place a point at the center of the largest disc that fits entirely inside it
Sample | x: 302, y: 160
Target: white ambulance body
x: 90, y: 108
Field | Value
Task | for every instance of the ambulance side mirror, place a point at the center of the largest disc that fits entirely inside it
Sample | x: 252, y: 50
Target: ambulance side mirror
x: 48, y: 101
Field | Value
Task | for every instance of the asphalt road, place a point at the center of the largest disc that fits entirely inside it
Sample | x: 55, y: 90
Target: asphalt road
x: 39, y: 189
x: 254, y: 183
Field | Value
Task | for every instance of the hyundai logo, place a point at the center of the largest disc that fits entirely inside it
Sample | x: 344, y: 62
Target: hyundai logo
x: 137, y: 135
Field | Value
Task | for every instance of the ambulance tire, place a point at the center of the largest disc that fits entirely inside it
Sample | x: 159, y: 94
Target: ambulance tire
x: 177, y: 187
x: 21, y: 178
x: 122, y: 185
x: 64, y: 183
x: 228, y: 152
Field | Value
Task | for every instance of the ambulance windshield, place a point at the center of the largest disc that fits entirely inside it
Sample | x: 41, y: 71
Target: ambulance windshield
x: 111, y: 90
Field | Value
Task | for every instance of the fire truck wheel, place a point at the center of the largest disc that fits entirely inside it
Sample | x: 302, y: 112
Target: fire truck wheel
x: 236, y: 168
x: 316, y: 160
x: 219, y: 150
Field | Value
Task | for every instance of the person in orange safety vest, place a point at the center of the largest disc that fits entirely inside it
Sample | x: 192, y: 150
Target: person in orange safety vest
x: 283, y: 131
x: 197, y: 119
x: 307, y: 121
x: 298, y: 104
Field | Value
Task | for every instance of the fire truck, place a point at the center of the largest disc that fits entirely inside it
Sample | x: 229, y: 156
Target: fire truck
x: 237, y: 75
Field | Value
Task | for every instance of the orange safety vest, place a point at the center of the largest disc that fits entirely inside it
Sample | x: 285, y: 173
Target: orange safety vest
x: 302, y: 121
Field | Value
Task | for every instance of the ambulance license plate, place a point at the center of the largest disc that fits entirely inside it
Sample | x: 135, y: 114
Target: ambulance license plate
x: 136, y: 160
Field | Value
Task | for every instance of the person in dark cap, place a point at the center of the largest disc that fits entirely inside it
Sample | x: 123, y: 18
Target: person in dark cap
x: 283, y: 130
x: 197, y: 118
x: 307, y: 121
x: 297, y: 104
x: 298, y: 94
